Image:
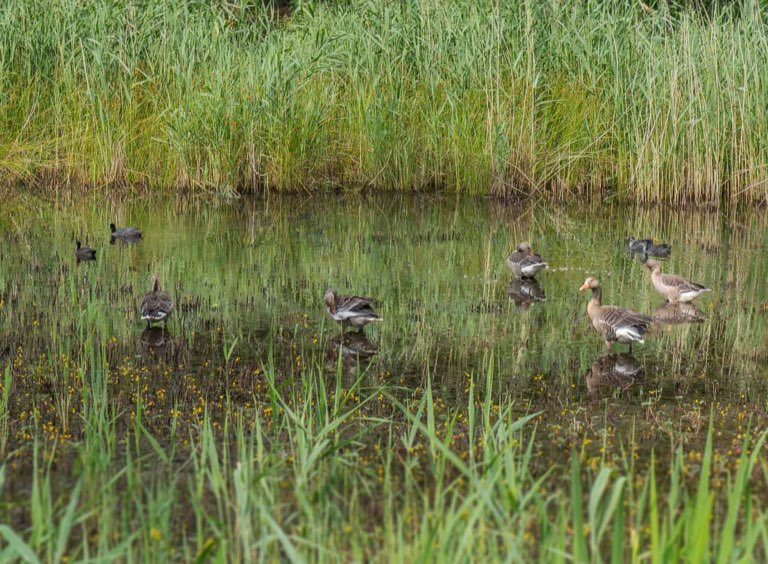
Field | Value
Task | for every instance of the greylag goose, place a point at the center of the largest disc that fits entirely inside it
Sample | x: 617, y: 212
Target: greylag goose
x: 350, y: 310
x: 673, y: 288
x: 157, y: 305
x: 84, y: 253
x: 126, y: 233
x: 524, y: 263
x: 614, y: 323
x: 647, y: 247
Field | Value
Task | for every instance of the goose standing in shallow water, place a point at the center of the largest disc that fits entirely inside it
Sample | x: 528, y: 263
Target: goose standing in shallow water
x: 673, y: 288
x: 615, y: 324
x: 524, y: 263
x: 84, y: 253
x: 124, y: 233
x: 350, y: 310
x: 156, y: 306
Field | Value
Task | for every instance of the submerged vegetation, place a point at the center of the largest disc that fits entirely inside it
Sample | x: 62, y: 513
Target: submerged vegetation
x: 554, y: 98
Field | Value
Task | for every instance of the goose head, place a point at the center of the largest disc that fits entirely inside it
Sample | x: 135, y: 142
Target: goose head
x: 330, y: 299
x: 525, y: 247
x: 590, y: 283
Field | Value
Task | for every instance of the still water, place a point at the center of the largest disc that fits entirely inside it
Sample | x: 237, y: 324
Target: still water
x: 248, y: 277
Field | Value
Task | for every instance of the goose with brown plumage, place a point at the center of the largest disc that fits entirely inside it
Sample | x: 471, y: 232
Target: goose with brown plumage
x: 350, y: 310
x: 157, y: 305
x: 615, y: 324
x: 675, y: 289
x: 524, y: 263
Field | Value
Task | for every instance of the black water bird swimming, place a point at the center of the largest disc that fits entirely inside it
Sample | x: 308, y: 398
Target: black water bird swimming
x: 84, y: 253
x: 648, y: 247
x: 124, y: 233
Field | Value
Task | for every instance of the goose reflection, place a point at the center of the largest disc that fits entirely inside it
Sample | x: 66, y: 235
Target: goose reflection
x: 613, y: 370
x: 354, y: 345
x: 524, y: 292
x: 155, y: 340
x: 678, y: 313
x: 351, y: 351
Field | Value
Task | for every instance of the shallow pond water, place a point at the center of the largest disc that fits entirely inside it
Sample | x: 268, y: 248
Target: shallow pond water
x: 249, y: 275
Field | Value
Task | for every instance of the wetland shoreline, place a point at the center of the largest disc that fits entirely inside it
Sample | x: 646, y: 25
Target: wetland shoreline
x: 472, y: 421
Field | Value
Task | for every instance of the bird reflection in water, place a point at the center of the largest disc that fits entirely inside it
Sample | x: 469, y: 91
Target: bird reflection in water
x: 620, y: 371
x: 350, y: 350
x: 156, y: 341
x: 525, y: 292
x: 678, y: 313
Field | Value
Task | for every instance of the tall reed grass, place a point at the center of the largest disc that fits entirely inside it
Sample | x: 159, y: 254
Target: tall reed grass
x: 553, y: 98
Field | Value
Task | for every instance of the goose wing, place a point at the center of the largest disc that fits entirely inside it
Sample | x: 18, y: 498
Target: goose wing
x: 622, y: 317
x: 530, y: 260
x: 356, y: 305
x: 157, y: 305
x: 516, y: 257
x: 680, y: 283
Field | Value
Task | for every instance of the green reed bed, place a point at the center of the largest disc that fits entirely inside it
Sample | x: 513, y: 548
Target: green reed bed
x: 506, y: 99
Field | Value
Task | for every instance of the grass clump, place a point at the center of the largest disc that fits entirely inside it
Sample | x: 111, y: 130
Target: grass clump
x: 559, y: 99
